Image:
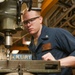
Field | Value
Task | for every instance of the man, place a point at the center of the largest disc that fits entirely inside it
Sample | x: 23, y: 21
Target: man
x: 50, y: 43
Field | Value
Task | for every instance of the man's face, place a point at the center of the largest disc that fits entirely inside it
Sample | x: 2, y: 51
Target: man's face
x: 32, y: 22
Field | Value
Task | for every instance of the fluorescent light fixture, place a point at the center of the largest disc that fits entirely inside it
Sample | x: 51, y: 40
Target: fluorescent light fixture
x: 15, y: 51
x: 2, y: 1
x: 27, y: 42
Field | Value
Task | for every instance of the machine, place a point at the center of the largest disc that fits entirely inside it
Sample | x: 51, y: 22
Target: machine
x: 10, y: 21
x: 10, y: 18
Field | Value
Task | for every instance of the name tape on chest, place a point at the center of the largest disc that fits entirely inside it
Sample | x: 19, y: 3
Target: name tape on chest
x: 46, y: 46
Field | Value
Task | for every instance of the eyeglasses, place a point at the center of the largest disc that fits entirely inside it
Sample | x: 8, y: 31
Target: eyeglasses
x: 25, y: 22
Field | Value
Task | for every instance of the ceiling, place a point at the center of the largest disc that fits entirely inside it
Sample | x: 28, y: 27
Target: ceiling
x: 61, y: 15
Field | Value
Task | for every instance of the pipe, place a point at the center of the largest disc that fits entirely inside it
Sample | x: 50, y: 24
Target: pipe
x: 66, y: 4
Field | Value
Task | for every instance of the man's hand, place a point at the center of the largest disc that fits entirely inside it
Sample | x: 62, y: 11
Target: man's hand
x: 68, y: 61
x: 48, y: 56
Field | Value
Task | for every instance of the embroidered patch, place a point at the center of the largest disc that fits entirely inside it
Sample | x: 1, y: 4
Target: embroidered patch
x: 46, y: 46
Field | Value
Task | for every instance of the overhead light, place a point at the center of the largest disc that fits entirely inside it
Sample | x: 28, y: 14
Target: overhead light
x: 15, y: 51
x: 2, y: 1
x: 27, y: 42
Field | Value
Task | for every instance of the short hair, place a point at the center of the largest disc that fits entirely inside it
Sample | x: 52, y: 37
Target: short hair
x: 37, y: 10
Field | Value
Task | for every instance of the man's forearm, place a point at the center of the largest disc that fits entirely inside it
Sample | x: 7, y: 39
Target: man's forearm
x: 67, y: 61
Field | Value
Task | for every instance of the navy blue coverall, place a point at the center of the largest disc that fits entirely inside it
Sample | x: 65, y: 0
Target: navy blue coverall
x: 61, y: 44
